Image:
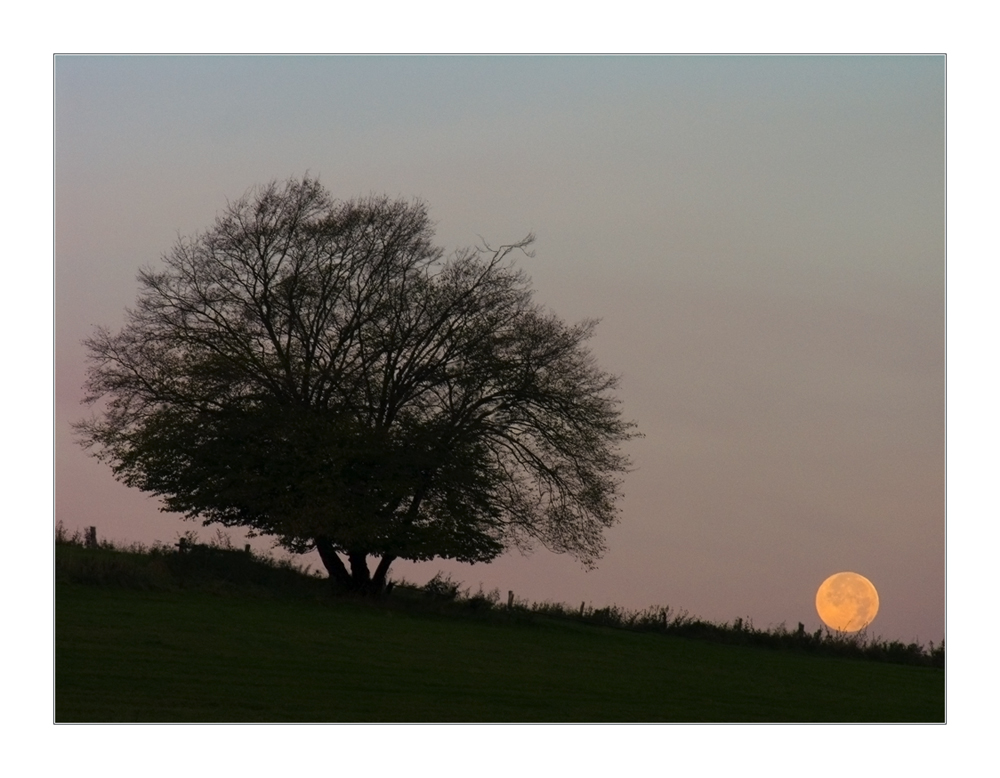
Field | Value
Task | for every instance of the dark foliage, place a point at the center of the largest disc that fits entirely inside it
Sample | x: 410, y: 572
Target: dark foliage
x: 316, y: 371
x: 822, y: 642
x: 217, y: 567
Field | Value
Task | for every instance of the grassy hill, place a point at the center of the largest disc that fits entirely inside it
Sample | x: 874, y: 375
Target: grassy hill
x: 225, y: 637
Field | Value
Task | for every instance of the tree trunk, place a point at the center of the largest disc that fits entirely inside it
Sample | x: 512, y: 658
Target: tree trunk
x: 358, y: 579
x: 378, y: 580
x: 334, y: 566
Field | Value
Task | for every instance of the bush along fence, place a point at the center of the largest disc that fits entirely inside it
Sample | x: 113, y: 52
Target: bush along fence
x: 664, y: 620
x: 189, y: 562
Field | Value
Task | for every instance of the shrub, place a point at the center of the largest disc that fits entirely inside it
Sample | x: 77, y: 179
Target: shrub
x: 442, y: 587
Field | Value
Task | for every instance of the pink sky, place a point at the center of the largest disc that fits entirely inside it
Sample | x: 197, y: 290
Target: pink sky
x: 763, y: 239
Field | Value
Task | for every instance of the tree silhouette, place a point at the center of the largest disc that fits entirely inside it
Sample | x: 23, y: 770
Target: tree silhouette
x: 317, y: 371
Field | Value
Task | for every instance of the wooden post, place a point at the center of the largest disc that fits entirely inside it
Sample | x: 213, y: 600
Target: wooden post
x: 510, y: 599
x: 90, y: 538
x: 581, y: 608
x: 246, y: 549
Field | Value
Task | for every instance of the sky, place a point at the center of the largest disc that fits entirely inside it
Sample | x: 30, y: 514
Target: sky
x: 762, y: 239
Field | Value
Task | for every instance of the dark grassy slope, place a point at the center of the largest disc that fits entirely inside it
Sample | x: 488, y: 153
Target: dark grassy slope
x: 128, y: 655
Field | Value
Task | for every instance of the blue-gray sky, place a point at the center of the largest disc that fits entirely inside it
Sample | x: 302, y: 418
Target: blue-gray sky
x: 762, y: 238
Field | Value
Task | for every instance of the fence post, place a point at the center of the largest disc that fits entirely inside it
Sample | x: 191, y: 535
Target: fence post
x: 581, y: 608
x: 90, y: 539
x: 510, y: 599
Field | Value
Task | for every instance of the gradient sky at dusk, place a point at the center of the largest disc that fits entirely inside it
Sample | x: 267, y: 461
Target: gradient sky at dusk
x: 762, y: 238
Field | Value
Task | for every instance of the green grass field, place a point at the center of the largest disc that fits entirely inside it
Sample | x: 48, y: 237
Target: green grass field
x: 191, y: 655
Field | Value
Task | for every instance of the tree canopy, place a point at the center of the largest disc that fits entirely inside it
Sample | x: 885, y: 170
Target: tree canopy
x: 318, y: 371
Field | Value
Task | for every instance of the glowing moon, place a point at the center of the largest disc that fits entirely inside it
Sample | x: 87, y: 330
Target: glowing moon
x: 847, y: 602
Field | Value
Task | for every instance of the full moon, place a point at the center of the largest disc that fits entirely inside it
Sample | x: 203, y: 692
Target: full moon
x: 847, y: 602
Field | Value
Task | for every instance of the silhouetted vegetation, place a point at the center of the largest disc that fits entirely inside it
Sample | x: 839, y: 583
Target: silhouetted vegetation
x: 663, y: 620
x: 318, y: 372
x: 218, y: 566
x: 200, y: 635
x: 215, y: 566
x: 823, y: 642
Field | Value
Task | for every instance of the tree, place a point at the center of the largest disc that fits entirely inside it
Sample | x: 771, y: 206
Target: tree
x: 317, y: 371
